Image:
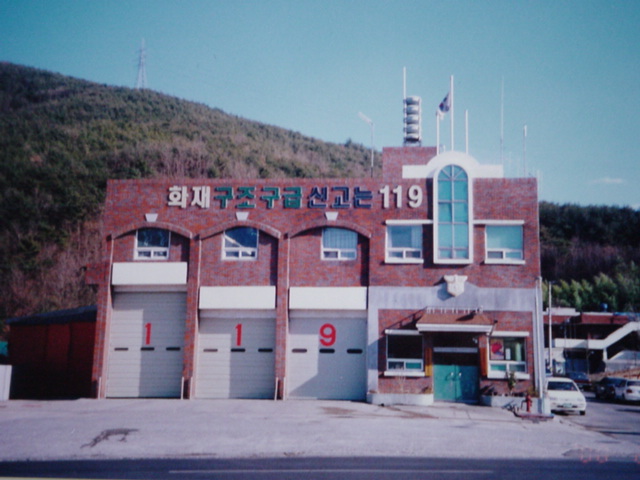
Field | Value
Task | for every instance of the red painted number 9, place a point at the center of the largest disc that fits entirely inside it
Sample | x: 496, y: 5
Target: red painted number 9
x: 327, y: 335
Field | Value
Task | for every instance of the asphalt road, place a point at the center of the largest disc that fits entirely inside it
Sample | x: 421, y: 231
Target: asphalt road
x: 376, y: 468
x: 307, y: 440
x: 620, y: 421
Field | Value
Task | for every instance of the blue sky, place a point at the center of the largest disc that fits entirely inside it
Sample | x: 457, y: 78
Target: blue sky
x: 570, y: 70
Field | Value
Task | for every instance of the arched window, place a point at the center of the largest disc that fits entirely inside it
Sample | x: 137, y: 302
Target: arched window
x: 152, y: 244
x: 339, y: 244
x: 240, y: 243
x: 453, y: 237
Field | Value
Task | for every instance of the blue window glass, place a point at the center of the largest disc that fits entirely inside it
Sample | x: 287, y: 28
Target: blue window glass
x: 453, y: 214
x: 404, y: 242
x: 339, y: 244
x: 504, y: 242
x: 241, y: 243
x: 445, y: 212
x: 152, y: 244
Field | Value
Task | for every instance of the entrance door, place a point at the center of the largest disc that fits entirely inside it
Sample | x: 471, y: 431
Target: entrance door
x: 455, y: 383
x: 456, y: 363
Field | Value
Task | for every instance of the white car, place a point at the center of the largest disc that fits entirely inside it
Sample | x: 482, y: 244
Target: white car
x: 628, y: 390
x: 565, y: 396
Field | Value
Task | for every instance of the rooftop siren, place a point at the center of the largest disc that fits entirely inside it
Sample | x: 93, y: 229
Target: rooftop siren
x: 412, y: 121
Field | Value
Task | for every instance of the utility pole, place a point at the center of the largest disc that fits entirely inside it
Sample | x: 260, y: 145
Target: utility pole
x: 141, y: 80
x: 550, y: 338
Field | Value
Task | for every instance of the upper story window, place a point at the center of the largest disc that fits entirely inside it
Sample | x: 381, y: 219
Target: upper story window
x: 453, y: 225
x: 339, y: 244
x: 504, y: 244
x: 404, y: 243
x: 240, y: 243
x: 152, y: 244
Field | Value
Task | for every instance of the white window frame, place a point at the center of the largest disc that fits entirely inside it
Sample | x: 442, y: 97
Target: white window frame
x: 403, y: 362
x: 244, y: 253
x: 334, y: 253
x: 519, y: 367
x: 148, y: 253
x: 405, y: 252
x: 503, y: 252
x: 437, y: 259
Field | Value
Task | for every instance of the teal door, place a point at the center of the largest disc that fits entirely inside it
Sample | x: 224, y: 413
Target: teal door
x: 455, y: 383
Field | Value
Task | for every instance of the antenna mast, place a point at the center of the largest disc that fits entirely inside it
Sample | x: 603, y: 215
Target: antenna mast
x: 524, y: 149
x: 370, y: 122
x: 141, y: 80
x: 502, y: 123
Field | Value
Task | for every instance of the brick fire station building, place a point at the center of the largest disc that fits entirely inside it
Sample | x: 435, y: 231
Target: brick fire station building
x: 421, y: 284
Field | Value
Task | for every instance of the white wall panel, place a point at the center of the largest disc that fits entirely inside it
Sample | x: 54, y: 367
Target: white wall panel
x: 328, y: 298
x: 243, y: 298
x: 149, y: 273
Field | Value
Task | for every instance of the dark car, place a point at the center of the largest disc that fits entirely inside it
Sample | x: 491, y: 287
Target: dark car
x: 581, y: 379
x: 606, y: 388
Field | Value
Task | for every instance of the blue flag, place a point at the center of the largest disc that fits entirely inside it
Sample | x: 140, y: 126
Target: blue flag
x: 444, y: 106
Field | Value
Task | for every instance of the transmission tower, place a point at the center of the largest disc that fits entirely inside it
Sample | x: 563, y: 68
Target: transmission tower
x: 141, y: 81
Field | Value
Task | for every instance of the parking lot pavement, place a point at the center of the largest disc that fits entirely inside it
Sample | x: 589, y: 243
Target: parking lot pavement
x: 615, y: 419
x: 136, y: 428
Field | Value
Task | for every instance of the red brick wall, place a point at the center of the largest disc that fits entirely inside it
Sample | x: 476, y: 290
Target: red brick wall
x: 395, y: 158
x: 216, y: 271
x: 125, y: 245
x: 513, y: 322
x: 510, y: 199
x: 309, y: 269
x: 398, y: 319
x: 290, y: 239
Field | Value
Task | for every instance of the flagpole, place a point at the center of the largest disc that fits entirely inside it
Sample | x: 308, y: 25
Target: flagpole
x: 466, y: 132
x: 437, y: 133
x: 524, y: 149
x: 404, y: 83
x: 502, y: 123
x: 453, y: 146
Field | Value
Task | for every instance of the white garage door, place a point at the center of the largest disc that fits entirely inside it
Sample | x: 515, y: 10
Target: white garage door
x: 326, y: 358
x: 236, y: 357
x: 146, y: 345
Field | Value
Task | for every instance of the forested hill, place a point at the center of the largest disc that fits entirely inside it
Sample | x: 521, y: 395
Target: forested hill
x: 61, y: 138
x: 593, y: 256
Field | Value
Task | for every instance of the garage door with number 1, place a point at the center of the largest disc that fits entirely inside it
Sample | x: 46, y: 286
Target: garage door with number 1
x: 236, y: 358
x: 145, y: 346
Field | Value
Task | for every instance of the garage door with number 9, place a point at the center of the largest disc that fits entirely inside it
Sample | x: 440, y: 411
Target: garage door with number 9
x: 326, y: 358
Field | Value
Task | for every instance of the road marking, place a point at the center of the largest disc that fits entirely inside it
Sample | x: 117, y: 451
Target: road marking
x: 332, y: 470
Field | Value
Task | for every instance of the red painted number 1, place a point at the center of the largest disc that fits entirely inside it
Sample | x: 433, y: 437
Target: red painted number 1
x: 147, y: 334
x: 327, y: 335
x: 239, y: 335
